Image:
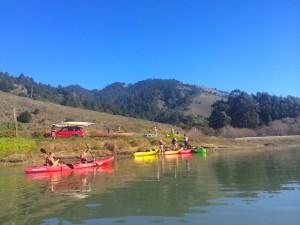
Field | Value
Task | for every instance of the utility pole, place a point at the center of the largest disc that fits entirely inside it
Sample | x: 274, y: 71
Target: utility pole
x: 31, y: 91
x: 16, y: 121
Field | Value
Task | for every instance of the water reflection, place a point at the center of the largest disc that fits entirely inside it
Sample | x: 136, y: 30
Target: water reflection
x: 28, y: 198
x: 161, y: 160
x: 173, y: 189
x: 73, y: 183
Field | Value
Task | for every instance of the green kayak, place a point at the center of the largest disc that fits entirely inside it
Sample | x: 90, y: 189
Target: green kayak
x: 199, y: 150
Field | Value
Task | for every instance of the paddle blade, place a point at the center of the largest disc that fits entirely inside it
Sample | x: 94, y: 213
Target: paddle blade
x: 70, y: 165
x: 43, y: 151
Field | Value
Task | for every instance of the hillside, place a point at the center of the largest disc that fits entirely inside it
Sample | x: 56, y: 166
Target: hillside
x: 50, y: 113
x: 165, y: 101
x: 201, y: 104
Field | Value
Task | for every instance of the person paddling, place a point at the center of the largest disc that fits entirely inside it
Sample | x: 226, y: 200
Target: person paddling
x: 83, y: 158
x: 50, y: 161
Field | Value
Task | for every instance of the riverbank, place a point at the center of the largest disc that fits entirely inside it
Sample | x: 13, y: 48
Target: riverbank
x: 70, y: 149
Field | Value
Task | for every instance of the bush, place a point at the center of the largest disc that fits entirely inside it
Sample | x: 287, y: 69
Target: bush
x: 24, y: 117
x: 233, y: 132
x: 10, y: 125
x: 36, y: 111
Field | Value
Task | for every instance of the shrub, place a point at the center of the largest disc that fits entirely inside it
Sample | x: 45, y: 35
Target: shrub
x: 10, y: 125
x: 36, y: 111
x: 24, y: 117
x: 240, y: 132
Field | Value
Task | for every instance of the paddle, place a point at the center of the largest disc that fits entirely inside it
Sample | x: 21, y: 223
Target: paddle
x: 68, y: 164
x: 88, y: 149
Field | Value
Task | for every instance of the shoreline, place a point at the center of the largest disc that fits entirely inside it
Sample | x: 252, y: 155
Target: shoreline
x: 69, y: 151
x: 253, y: 143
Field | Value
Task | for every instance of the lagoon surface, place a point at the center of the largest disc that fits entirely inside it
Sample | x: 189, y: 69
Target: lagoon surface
x: 252, y: 187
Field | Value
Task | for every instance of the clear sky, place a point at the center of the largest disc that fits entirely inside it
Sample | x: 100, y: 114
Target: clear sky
x: 251, y: 45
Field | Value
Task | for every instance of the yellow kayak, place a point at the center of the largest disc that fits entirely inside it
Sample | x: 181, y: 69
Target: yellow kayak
x: 146, y: 158
x: 151, y: 152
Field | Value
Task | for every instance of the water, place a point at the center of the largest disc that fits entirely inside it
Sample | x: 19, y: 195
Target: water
x: 236, y: 188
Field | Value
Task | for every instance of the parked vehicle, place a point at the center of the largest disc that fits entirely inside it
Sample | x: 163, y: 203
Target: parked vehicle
x: 65, y: 131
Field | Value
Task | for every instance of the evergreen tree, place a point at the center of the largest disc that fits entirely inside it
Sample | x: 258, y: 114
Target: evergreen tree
x: 219, y: 117
x: 243, y: 110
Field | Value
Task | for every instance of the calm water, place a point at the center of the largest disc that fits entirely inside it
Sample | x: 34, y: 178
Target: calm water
x: 236, y: 188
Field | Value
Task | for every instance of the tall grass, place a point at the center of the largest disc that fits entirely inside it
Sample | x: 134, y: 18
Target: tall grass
x: 10, y: 146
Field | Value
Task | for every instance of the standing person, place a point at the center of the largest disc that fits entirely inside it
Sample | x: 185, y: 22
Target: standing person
x: 53, y: 135
x: 161, y: 146
x: 155, y: 131
x: 174, y: 142
x: 50, y: 161
x: 186, y: 141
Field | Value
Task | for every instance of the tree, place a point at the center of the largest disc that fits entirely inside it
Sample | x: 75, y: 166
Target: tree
x: 24, y: 117
x: 219, y: 117
x: 265, y: 105
x: 243, y: 110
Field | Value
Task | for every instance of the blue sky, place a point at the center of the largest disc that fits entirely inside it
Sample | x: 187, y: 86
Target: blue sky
x: 224, y: 44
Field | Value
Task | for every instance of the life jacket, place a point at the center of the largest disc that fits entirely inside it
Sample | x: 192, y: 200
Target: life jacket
x: 48, y: 162
x: 160, y: 144
x: 83, y: 159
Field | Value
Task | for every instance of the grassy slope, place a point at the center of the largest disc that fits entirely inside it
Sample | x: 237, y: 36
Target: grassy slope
x: 201, y: 104
x: 50, y: 113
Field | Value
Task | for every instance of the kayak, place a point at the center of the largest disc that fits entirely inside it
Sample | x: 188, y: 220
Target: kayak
x: 115, y: 134
x: 78, y: 124
x: 172, y: 152
x: 151, y: 152
x: 179, y: 151
x: 65, y: 173
x: 186, y: 151
x: 65, y: 167
x: 199, y: 150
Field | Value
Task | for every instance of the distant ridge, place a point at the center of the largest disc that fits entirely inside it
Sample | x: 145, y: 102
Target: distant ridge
x: 165, y: 101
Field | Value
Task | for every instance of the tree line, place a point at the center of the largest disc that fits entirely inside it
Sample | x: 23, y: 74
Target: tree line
x: 251, y: 111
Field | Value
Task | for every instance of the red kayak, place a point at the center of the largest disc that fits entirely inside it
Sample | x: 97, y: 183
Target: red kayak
x: 65, y: 167
x: 186, y: 151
